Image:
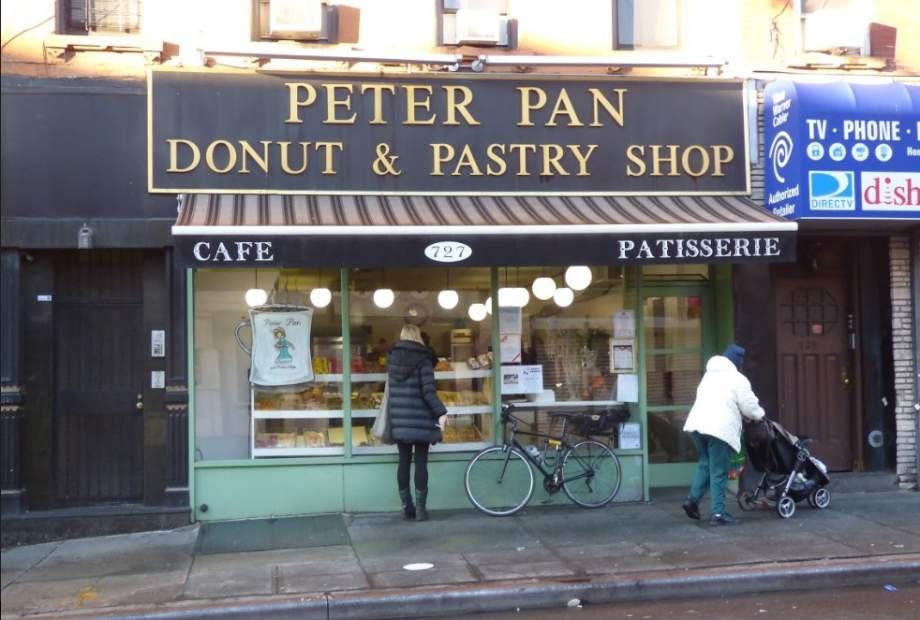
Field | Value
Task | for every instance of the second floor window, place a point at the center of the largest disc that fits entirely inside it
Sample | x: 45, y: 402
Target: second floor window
x: 102, y: 16
x: 647, y: 24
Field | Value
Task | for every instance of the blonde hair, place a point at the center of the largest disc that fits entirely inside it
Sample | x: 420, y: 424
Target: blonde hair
x: 411, y: 332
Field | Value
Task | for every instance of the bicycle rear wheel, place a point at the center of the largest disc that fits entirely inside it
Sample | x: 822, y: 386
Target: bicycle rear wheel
x: 591, y: 474
x: 499, y: 481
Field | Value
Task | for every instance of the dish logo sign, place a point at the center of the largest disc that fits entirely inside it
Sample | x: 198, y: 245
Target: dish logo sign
x: 831, y: 191
x: 890, y: 191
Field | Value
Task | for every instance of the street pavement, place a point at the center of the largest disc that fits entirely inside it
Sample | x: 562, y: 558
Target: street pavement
x: 544, y: 557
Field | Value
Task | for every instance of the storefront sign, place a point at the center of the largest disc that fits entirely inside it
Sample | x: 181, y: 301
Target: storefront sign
x: 842, y: 150
x: 225, y: 132
x: 485, y: 250
x: 448, y: 252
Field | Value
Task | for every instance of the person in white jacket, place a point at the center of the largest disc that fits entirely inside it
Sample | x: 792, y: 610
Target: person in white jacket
x: 724, y: 395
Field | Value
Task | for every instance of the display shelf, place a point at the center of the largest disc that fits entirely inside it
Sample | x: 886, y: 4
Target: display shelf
x: 257, y: 452
x: 322, y: 414
x: 375, y: 377
x: 564, y: 404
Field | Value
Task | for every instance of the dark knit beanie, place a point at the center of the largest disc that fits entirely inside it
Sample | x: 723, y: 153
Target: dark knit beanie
x: 735, y: 354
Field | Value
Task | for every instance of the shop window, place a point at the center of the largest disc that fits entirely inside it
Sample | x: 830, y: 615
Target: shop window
x: 443, y: 303
x: 102, y: 16
x: 649, y: 24
x: 576, y: 333
x: 476, y: 22
x: 667, y: 441
x: 235, y: 420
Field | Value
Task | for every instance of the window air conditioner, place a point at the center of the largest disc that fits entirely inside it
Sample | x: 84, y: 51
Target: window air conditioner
x: 829, y: 30
x: 482, y: 27
x: 300, y: 18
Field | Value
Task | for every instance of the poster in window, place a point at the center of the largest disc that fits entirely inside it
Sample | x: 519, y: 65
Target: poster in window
x: 281, y: 347
x: 624, y: 324
x: 622, y: 355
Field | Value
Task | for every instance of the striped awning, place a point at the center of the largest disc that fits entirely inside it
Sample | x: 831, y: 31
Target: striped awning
x: 359, y: 229
x: 318, y: 215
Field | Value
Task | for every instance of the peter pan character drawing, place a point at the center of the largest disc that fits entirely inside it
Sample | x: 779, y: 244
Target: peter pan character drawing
x: 282, y: 344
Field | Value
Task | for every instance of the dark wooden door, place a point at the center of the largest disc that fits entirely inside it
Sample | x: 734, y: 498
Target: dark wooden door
x: 815, y: 379
x: 99, y: 359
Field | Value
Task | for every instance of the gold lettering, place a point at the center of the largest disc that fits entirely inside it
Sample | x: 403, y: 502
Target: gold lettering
x: 231, y: 156
x: 467, y: 159
x: 564, y: 106
x: 527, y: 106
x: 329, y: 147
x: 332, y: 103
x: 294, y: 101
x: 722, y: 154
x: 378, y: 89
x: 491, y: 154
x: 285, y: 162
x: 552, y: 161
x: 657, y: 159
x: 704, y: 160
x: 522, y: 150
x: 438, y: 158
x: 261, y: 161
x: 616, y: 113
x: 412, y: 104
x: 173, y: 155
x: 454, y: 106
x: 631, y: 155
x: 582, y: 159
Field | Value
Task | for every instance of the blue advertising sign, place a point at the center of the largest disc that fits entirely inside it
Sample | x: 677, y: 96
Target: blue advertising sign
x: 842, y: 150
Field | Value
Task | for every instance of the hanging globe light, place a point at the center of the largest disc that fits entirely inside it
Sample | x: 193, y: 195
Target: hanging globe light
x: 513, y: 297
x: 488, y: 305
x: 256, y: 297
x: 578, y: 277
x: 563, y: 297
x: 477, y: 312
x: 543, y: 288
x: 448, y: 299
x: 384, y: 297
x: 320, y: 297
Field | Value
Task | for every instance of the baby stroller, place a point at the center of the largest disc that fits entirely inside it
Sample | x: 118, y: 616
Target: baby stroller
x: 790, y: 472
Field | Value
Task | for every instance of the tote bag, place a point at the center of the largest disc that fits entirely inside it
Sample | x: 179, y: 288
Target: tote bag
x: 382, y: 428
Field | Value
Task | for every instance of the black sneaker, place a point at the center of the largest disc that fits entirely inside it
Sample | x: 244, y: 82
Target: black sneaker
x: 722, y: 518
x: 691, y: 508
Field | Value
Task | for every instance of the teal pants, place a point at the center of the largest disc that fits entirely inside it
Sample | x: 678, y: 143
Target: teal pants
x: 712, y: 471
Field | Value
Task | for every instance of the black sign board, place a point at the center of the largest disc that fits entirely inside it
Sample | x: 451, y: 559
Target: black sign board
x: 482, y: 250
x: 324, y: 134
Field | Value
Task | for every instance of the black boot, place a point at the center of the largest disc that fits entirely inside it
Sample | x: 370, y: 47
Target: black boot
x: 408, y: 509
x: 421, y: 497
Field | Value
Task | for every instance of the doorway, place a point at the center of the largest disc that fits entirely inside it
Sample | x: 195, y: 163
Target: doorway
x: 814, y: 373
x: 678, y: 340
x: 97, y: 420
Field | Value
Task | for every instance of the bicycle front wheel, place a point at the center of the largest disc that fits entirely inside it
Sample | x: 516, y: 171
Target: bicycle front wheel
x: 499, y: 481
x: 591, y: 474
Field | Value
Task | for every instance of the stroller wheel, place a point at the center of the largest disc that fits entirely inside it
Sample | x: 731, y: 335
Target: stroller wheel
x: 785, y: 507
x: 746, y: 501
x: 819, y: 498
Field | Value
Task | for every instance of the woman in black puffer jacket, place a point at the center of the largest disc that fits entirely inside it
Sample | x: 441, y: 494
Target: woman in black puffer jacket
x: 417, y: 415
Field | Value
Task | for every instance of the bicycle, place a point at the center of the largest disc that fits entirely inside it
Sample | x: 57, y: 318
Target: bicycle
x: 499, y: 480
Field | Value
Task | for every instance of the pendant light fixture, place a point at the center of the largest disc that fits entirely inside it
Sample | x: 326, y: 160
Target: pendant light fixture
x: 478, y: 312
x: 578, y: 277
x: 543, y: 288
x: 320, y: 296
x: 448, y: 298
x: 563, y: 297
x: 384, y: 297
x: 256, y: 296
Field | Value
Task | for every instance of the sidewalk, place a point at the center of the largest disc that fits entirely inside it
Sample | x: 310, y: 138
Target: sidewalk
x: 543, y: 557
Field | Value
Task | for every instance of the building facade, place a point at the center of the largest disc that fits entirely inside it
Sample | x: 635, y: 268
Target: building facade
x: 123, y: 382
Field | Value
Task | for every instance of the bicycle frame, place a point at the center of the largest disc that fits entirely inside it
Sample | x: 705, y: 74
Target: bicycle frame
x: 514, y: 443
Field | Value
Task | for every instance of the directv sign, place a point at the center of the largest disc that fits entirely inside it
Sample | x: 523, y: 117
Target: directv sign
x: 842, y: 150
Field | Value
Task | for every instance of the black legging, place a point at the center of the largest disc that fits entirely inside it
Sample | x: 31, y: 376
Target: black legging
x: 421, y: 465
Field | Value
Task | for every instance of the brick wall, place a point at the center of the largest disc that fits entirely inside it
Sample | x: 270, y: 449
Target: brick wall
x: 903, y: 349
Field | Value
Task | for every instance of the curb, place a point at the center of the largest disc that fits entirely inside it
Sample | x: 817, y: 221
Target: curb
x: 535, y: 594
